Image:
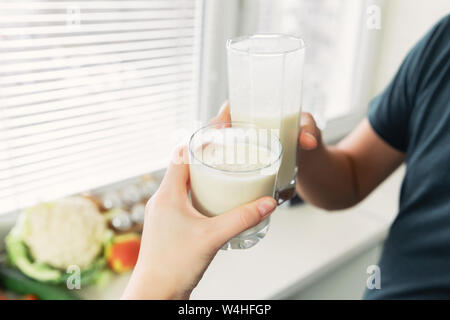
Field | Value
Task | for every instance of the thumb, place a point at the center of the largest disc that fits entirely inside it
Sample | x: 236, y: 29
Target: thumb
x: 309, y: 133
x: 177, y: 173
x: 231, y: 223
x: 223, y: 115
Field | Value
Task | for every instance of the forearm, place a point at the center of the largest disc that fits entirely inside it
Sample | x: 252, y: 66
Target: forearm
x: 326, y: 178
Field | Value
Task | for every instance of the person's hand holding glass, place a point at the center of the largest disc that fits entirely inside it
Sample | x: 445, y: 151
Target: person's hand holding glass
x: 231, y: 203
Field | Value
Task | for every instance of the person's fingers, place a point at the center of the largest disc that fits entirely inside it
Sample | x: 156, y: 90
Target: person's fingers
x: 223, y: 115
x: 309, y: 133
x: 177, y: 174
x: 230, y: 224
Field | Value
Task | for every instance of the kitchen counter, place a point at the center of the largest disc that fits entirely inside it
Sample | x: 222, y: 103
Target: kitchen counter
x: 303, y: 245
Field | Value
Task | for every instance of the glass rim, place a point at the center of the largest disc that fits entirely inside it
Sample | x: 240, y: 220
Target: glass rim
x: 232, y: 41
x: 248, y: 124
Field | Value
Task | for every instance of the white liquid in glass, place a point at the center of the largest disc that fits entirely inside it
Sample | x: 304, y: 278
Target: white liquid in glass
x: 288, y: 127
x: 217, y: 187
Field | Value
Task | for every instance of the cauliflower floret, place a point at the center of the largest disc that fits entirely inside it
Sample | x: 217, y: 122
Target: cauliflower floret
x: 66, y: 232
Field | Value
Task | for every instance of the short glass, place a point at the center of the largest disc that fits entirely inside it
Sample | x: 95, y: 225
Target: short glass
x: 232, y: 164
x: 265, y: 75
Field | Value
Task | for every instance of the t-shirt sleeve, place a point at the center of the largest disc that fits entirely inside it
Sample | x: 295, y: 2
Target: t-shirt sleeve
x: 390, y: 112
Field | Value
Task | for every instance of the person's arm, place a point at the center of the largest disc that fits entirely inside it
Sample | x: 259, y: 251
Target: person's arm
x: 338, y: 177
x: 178, y: 242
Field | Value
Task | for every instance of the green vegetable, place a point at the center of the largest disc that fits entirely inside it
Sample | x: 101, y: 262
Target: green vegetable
x: 14, y: 280
x: 18, y: 256
x: 90, y: 275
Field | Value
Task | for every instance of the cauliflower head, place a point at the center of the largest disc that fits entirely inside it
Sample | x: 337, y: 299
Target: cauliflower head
x: 66, y: 232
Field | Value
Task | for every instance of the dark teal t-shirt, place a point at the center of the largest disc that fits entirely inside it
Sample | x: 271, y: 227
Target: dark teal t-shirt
x: 413, y: 116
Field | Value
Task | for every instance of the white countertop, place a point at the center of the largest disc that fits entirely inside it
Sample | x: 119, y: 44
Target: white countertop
x: 302, y: 245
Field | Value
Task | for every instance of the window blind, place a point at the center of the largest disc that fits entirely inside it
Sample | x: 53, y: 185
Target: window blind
x: 91, y: 92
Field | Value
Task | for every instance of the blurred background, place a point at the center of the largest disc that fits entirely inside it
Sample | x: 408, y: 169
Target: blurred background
x: 93, y: 95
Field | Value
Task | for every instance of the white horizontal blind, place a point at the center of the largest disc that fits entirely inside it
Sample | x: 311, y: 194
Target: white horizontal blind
x: 91, y: 92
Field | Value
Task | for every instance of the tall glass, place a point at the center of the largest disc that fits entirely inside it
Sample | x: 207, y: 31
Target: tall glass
x: 231, y: 165
x: 265, y: 75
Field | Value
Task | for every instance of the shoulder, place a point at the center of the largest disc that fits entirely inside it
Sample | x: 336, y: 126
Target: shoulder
x: 432, y: 55
x: 437, y: 38
x: 443, y: 25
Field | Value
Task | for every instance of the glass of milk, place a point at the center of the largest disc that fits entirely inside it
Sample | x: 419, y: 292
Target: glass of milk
x: 265, y: 75
x: 231, y: 165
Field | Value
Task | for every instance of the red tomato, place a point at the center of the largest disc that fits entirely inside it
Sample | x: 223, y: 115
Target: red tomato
x: 122, y: 254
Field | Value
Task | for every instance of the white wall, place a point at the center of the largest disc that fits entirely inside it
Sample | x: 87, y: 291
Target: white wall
x: 403, y: 23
